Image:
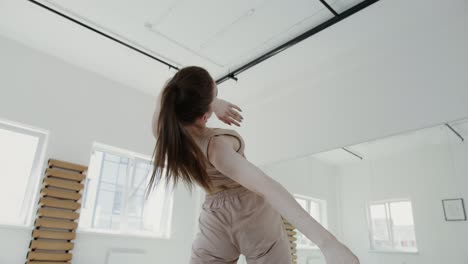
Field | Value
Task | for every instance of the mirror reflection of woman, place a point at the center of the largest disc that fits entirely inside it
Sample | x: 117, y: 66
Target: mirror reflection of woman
x: 243, y: 206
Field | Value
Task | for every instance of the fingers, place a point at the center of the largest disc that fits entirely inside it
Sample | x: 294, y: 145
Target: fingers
x: 235, y: 106
x: 229, y: 120
x: 230, y: 115
x: 232, y: 120
x: 225, y: 120
x: 235, y: 115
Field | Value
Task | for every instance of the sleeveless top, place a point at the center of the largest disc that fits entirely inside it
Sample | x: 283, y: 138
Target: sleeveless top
x: 219, y: 180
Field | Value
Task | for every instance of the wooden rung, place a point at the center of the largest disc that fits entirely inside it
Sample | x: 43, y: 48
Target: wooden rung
x: 49, y: 256
x: 64, y: 184
x: 66, y: 165
x: 291, y: 232
x: 70, y: 195
x: 289, y: 227
x: 293, y: 251
x: 291, y: 239
x: 65, y: 174
x: 54, y: 234
x: 59, y: 224
x: 45, y: 212
x: 47, y: 262
x: 51, y: 245
x: 293, y: 244
x: 59, y: 204
x: 64, y: 204
x: 294, y: 257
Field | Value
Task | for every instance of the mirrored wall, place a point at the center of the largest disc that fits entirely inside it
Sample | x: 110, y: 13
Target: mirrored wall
x: 399, y: 199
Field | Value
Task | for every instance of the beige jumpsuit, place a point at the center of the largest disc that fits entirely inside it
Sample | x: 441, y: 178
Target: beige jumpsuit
x: 237, y: 221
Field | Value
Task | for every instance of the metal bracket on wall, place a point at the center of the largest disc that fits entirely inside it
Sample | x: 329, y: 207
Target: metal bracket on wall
x: 455, y: 132
x: 353, y: 153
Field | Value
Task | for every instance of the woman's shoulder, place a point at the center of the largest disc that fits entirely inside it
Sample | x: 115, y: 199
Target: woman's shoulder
x: 239, y: 143
x: 226, y: 131
x: 218, y: 130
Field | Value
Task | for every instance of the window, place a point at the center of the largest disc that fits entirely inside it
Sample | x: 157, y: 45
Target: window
x: 317, y: 209
x: 21, y: 160
x: 114, y: 197
x: 391, y: 226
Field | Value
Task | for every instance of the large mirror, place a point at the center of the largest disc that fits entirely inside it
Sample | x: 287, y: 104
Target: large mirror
x: 399, y: 199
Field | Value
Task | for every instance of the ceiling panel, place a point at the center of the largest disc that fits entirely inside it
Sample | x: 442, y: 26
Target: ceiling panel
x: 240, y: 29
x: 194, y: 24
x: 218, y: 35
x: 267, y: 28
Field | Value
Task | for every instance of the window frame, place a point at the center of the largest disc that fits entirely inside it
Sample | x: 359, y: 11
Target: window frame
x: 133, y: 159
x: 29, y: 205
x: 389, y: 222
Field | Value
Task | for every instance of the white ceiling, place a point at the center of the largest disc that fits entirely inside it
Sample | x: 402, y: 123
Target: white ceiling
x: 394, y: 145
x: 218, y: 35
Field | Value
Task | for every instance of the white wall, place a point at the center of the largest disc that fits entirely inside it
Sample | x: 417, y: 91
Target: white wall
x: 76, y: 106
x: 312, y: 178
x: 396, y: 66
x: 79, y: 107
x: 426, y: 176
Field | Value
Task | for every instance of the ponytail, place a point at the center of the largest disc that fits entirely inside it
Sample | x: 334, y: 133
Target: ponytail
x: 176, y: 153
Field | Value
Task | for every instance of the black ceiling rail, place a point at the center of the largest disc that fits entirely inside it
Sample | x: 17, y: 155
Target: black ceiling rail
x: 294, y: 41
x: 353, y: 153
x: 329, y: 7
x: 455, y: 132
x: 104, y: 34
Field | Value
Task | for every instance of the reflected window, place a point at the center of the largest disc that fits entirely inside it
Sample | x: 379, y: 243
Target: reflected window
x: 115, y: 195
x: 391, y: 226
x: 317, y: 209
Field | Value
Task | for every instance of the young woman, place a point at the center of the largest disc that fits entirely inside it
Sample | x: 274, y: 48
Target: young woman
x: 243, y: 206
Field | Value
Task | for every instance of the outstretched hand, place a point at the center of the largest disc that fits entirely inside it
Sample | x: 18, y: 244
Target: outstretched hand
x: 227, y: 112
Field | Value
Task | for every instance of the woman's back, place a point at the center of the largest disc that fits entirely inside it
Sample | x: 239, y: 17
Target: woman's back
x: 219, y: 180
x: 235, y: 220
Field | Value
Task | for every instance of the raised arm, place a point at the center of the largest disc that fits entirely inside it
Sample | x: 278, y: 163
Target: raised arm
x: 232, y: 164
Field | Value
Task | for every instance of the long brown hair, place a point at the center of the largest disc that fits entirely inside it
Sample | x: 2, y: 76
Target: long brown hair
x: 185, y: 97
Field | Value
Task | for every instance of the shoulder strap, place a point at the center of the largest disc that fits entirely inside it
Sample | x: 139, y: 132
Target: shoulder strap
x: 221, y: 131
